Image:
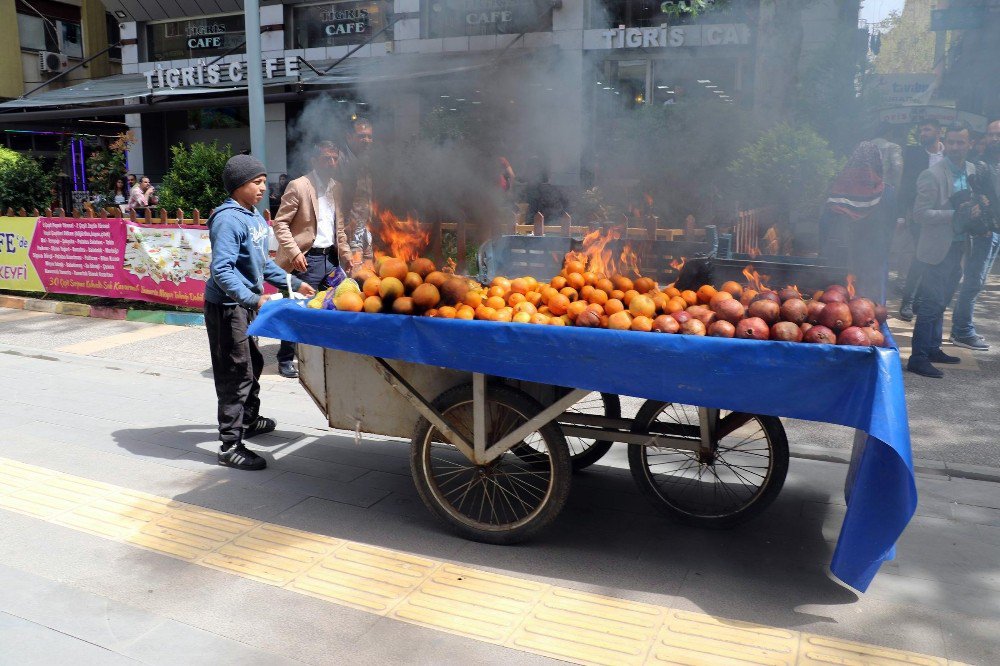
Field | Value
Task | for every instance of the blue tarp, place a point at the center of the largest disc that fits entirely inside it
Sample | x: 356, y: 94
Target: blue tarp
x: 859, y: 387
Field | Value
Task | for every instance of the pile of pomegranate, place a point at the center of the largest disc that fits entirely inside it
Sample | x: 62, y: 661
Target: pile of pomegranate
x: 579, y: 297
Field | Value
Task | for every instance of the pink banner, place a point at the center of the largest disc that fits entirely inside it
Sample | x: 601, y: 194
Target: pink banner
x: 116, y: 258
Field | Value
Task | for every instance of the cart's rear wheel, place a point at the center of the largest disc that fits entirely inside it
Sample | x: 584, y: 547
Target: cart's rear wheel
x: 508, y: 500
x: 740, y: 479
x: 583, y: 451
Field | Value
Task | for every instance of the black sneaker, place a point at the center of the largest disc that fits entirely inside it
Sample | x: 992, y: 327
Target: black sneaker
x: 974, y: 342
x: 924, y: 368
x: 938, y: 356
x: 287, y: 369
x: 240, y: 457
x: 260, y: 425
x: 906, y: 312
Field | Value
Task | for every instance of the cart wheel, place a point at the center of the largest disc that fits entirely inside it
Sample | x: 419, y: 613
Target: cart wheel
x: 744, y: 475
x: 508, y: 500
x: 584, y: 452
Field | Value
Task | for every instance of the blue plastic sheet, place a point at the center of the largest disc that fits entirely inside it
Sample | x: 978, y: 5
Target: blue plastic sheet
x: 859, y: 387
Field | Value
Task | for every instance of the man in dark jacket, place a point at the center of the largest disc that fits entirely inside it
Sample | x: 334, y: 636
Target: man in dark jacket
x: 233, y: 295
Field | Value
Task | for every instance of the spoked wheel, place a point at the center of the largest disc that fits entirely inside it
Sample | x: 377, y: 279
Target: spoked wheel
x: 507, y: 500
x: 738, y: 479
x: 584, y: 452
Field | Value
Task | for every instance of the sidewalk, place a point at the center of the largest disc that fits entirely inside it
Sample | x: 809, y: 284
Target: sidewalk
x: 145, y: 425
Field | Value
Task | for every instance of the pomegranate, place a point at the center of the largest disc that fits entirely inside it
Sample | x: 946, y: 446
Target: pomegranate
x: 862, y: 311
x: 805, y: 327
x: 665, y: 324
x: 753, y: 328
x: 767, y: 295
x: 693, y: 327
x: 815, y: 308
x: 854, y: 335
x: 731, y: 311
x: 794, y: 310
x: 765, y: 309
x: 681, y: 316
x: 747, y: 296
x: 836, y: 316
x: 786, y: 331
x: 588, y: 319
x: 721, y: 329
x: 835, y: 293
x: 875, y: 336
x: 702, y: 314
x: 881, y: 314
x: 821, y: 335
x: 788, y: 293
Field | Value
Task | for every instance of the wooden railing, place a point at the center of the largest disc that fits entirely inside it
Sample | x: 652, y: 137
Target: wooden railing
x: 750, y: 226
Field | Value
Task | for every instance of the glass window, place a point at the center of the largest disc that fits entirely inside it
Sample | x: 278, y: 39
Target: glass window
x: 459, y: 18
x: 631, y: 13
x: 36, y: 34
x: 196, y: 38
x: 229, y: 117
x: 336, y: 23
x: 114, y: 35
x: 70, y: 39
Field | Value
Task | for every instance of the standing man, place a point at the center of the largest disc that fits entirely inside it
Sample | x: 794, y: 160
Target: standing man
x: 233, y: 295
x: 916, y: 160
x: 360, y: 191
x: 940, y: 247
x: 310, y: 229
x: 982, y: 254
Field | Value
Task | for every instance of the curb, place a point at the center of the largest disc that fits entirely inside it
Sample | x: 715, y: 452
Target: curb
x: 102, y: 312
x: 925, y: 467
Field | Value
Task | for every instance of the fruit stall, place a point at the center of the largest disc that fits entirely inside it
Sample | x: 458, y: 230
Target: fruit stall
x: 505, y: 388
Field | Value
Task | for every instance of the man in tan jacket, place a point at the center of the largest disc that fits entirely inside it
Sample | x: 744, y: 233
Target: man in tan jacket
x: 309, y: 227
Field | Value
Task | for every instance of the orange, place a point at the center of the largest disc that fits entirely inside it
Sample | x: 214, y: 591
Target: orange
x: 734, y: 288
x: 589, y: 278
x: 642, y: 305
x: 575, y: 308
x: 620, y: 321
x: 486, y: 313
x: 545, y: 310
x: 431, y: 313
x: 719, y: 297
x: 519, y: 286
x: 370, y: 287
x: 598, y: 297
x: 570, y: 293
x: 473, y: 299
x: 642, y: 324
x: 548, y: 293
x: 504, y: 314
x: 465, y: 312
x: 576, y: 281
x: 534, y: 298
x: 497, y: 291
x: 672, y: 291
x: 373, y: 304
x: 502, y: 282
x: 525, y: 307
x: 539, y: 318
x: 628, y: 296
x: 521, y: 318
x: 566, y: 320
x: 559, y: 304
x: 594, y: 307
x: 558, y: 282
x: 622, y: 282
x: 644, y: 285
x: 447, y: 312
x: 515, y: 297
x: 676, y: 304
x: 617, y: 294
x: 689, y: 296
x: 557, y: 321
x: 613, y: 306
x: 587, y: 292
x: 605, y: 285
x: 705, y: 293
x: 390, y: 288
x: 574, y: 266
x: 660, y: 301
x: 350, y: 301
x: 496, y: 302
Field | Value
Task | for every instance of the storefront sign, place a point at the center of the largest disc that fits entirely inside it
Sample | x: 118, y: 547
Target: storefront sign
x: 105, y: 257
x: 204, y: 74
x: 459, y: 18
x: 336, y: 23
x: 897, y: 89
x: 193, y: 38
x: 722, y: 34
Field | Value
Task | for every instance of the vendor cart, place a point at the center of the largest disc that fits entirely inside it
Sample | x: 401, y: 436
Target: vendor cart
x: 489, y: 407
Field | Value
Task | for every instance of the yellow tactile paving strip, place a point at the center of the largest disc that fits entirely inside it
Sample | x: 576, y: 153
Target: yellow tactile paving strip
x: 141, y: 332
x: 516, y: 613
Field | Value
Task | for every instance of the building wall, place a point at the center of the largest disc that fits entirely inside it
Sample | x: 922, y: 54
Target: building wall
x: 11, y: 76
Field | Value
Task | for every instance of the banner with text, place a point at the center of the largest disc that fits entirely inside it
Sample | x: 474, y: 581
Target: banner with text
x: 105, y: 257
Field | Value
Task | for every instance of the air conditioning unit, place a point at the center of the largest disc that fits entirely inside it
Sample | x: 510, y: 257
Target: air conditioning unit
x: 52, y: 62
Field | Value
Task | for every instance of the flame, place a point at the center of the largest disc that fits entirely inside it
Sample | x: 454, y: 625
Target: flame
x: 403, y: 238
x: 629, y: 262
x: 850, y: 286
x: 755, y: 279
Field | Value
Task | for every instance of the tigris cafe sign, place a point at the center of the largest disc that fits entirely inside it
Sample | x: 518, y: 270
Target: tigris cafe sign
x: 665, y: 36
x: 217, y: 72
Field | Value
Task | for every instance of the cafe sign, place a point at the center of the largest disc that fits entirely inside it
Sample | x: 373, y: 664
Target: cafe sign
x: 336, y: 23
x: 666, y: 36
x: 215, y: 73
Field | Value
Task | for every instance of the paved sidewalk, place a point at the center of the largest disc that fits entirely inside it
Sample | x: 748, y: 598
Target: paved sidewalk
x: 145, y: 423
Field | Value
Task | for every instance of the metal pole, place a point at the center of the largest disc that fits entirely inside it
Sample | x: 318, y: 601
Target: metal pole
x: 255, y: 85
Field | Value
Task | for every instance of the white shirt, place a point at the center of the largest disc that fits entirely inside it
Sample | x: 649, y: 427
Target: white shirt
x: 934, y: 158
x: 326, y: 217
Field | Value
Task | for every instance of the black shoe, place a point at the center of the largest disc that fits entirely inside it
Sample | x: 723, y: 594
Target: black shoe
x: 906, y: 312
x: 287, y: 369
x: 923, y: 367
x: 260, y: 425
x: 938, y: 356
x: 240, y: 457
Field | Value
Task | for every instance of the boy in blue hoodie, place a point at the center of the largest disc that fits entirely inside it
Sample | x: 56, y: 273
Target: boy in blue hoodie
x: 233, y: 295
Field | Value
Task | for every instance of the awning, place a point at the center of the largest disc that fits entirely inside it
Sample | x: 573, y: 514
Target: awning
x: 354, y: 71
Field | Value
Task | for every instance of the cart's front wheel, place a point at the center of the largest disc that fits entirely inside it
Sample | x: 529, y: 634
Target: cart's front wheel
x: 741, y: 476
x: 507, y: 500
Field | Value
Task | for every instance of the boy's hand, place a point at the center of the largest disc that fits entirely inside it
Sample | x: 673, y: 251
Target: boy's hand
x: 306, y: 290
x: 263, y: 299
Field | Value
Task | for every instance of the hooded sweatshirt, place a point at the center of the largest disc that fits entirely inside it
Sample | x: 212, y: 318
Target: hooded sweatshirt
x: 240, y: 261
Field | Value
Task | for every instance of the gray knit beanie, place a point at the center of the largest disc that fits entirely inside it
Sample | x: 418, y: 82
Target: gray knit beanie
x: 241, y: 169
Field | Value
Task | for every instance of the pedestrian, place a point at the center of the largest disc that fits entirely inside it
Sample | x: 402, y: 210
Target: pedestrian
x: 139, y: 196
x: 941, y: 247
x: 858, y: 220
x: 310, y: 228
x: 982, y: 253
x: 917, y: 159
x: 542, y: 196
x: 275, y: 192
x: 359, y: 188
x: 233, y: 295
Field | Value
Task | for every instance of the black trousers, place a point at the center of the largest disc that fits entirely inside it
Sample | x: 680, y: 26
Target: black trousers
x: 319, y: 266
x: 236, y: 367
x: 933, y: 297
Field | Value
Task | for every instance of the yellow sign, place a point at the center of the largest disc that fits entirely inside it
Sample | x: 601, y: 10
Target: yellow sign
x: 16, y: 270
